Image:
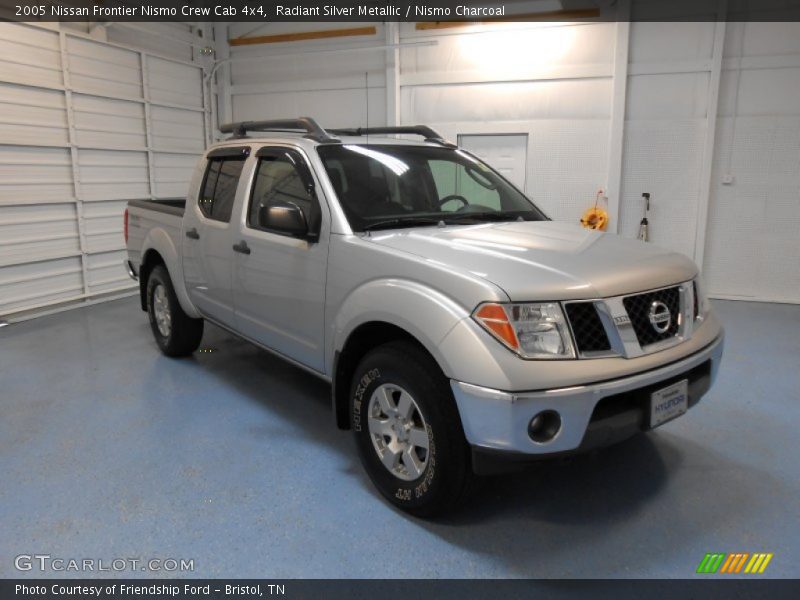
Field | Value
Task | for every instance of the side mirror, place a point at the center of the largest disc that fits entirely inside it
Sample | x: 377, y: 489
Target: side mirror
x: 285, y: 217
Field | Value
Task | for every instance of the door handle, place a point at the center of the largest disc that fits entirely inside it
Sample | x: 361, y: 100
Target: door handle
x: 192, y: 233
x: 241, y: 247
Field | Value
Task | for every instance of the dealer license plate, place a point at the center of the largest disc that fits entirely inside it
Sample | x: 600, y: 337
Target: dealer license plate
x: 669, y: 403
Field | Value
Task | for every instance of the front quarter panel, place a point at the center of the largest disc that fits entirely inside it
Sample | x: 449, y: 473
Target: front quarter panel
x: 424, y: 313
x: 368, y: 282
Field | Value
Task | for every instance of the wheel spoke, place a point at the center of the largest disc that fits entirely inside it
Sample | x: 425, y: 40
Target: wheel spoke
x: 385, y: 400
x: 379, y: 426
x: 405, y: 407
x: 161, y: 310
x: 418, y: 437
x: 390, y: 459
x: 412, y: 463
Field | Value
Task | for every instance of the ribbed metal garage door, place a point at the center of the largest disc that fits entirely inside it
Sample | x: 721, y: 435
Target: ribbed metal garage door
x: 84, y: 127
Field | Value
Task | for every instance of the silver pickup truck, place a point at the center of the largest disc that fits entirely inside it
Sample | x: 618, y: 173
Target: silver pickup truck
x: 462, y: 330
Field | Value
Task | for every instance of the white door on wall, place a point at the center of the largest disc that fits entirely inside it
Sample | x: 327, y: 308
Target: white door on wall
x: 507, y: 153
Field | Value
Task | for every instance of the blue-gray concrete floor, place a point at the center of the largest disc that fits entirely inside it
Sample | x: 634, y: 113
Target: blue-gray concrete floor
x: 109, y: 449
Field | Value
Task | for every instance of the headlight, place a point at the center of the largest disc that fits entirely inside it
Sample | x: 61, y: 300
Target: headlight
x: 701, y: 304
x: 532, y: 330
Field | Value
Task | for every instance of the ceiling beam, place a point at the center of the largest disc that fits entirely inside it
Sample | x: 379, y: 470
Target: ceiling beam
x: 300, y: 36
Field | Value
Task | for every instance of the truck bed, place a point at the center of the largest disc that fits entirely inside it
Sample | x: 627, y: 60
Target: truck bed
x: 171, y: 206
x: 145, y: 215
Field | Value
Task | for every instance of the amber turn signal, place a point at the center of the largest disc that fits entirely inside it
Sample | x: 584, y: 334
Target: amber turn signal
x: 494, y: 318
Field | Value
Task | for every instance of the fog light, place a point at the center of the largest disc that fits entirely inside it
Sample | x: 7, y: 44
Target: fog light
x: 544, y: 426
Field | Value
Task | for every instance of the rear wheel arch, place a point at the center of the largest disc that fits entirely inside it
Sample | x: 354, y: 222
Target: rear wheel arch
x: 176, y: 333
x: 362, y: 340
x: 150, y: 260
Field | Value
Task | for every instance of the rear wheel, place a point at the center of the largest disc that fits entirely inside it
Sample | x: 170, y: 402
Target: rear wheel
x: 176, y: 333
x: 408, y: 431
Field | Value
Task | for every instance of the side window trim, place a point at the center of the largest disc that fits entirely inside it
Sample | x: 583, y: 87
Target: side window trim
x: 209, y: 164
x: 274, y: 152
x: 230, y: 152
x: 220, y: 156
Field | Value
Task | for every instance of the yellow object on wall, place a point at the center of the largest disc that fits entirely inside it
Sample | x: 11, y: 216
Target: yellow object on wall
x: 595, y: 218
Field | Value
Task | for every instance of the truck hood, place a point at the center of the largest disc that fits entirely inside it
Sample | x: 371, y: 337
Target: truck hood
x: 545, y: 260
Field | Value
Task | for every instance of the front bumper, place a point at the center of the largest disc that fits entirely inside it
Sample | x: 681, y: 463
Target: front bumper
x: 497, y: 422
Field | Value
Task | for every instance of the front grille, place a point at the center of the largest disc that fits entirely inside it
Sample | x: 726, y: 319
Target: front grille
x: 696, y: 302
x: 638, y: 308
x: 590, y: 335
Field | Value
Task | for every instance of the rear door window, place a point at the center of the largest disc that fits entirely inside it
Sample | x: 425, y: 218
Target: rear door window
x: 219, y: 187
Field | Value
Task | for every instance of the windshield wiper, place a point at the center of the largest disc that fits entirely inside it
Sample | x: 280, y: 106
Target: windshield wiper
x: 401, y: 222
x: 445, y: 219
x: 484, y: 216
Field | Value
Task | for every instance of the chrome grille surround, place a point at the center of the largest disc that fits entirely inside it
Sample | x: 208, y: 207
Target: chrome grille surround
x: 620, y: 330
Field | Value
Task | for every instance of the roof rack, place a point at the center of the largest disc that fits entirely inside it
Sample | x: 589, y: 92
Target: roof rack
x: 313, y: 129
x: 426, y: 132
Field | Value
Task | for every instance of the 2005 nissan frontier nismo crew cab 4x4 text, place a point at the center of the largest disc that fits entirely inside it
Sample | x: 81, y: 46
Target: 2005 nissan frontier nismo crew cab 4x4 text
x: 461, y: 329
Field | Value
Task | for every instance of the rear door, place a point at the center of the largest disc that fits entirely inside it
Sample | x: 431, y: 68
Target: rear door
x: 207, y: 236
x: 279, y: 283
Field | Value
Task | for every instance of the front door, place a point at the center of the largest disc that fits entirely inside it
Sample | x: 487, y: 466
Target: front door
x: 207, y: 236
x: 279, y: 283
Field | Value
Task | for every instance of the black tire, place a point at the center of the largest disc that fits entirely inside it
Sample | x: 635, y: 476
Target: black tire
x: 184, y: 333
x: 447, y: 476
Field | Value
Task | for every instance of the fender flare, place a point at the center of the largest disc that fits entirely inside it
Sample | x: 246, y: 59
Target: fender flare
x: 421, y: 311
x: 158, y: 240
x: 416, y: 310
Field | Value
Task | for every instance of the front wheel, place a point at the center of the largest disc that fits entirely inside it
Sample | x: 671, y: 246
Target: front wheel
x: 176, y: 333
x: 408, y: 432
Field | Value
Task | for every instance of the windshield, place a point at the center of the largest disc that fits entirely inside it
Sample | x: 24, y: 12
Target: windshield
x: 388, y: 186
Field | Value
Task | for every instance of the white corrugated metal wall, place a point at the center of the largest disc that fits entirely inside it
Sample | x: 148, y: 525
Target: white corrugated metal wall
x: 85, y: 125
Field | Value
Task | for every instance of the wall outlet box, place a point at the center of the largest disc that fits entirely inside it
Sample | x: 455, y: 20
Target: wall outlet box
x: 727, y: 179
